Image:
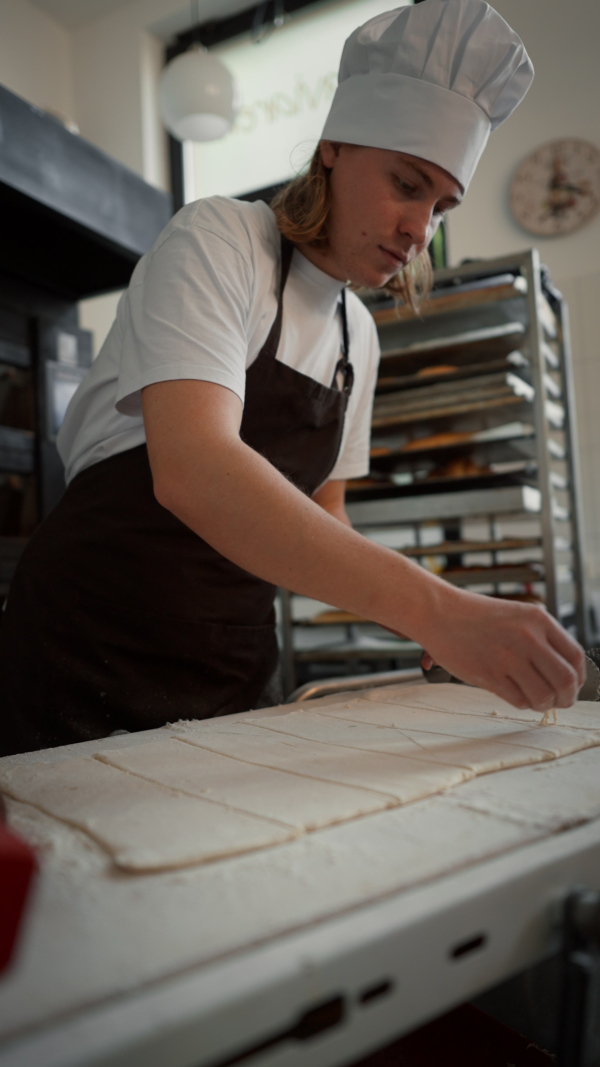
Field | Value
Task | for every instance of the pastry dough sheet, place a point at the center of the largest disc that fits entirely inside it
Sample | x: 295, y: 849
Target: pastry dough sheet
x: 218, y: 788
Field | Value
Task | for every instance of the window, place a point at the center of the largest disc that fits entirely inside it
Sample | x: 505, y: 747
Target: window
x: 286, y: 82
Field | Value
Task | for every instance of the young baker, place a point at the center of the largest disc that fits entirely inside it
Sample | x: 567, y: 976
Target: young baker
x: 207, y: 451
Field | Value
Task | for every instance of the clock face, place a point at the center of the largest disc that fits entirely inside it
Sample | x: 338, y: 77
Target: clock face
x: 557, y: 188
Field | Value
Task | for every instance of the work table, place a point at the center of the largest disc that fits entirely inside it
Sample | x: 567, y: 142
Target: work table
x: 382, y: 922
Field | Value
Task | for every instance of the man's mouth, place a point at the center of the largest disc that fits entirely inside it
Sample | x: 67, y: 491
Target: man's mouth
x: 397, y: 260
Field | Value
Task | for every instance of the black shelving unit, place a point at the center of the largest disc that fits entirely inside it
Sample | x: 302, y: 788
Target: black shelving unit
x: 74, y: 224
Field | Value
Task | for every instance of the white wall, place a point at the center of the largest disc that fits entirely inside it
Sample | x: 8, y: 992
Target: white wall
x: 116, y: 65
x: 562, y: 40
x: 104, y: 77
x: 35, y: 57
x: 110, y: 73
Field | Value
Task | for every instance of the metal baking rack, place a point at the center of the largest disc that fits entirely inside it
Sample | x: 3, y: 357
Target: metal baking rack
x: 474, y: 473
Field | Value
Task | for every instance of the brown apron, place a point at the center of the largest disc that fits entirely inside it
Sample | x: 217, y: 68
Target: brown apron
x: 120, y: 617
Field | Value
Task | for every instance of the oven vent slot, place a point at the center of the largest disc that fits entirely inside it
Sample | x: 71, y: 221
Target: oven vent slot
x: 465, y: 948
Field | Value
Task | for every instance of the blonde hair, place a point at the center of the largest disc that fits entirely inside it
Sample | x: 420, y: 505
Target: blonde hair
x: 302, y: 212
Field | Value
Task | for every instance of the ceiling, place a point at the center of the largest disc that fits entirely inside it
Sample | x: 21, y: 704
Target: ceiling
x: 74, y: 13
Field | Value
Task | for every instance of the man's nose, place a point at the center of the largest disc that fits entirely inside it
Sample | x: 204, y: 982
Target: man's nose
x: 416, y: 221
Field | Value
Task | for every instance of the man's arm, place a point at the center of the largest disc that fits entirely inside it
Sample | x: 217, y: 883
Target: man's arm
x: 331, y: 496
x: 244, y: 508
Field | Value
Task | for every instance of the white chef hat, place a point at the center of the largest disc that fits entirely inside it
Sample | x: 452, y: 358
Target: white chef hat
x: 431, y: 80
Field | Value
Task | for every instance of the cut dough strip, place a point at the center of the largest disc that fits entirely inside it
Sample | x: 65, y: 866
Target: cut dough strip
x: 406, y: 717
x: 399, y: 779
x: 451, y: 699
x: 469, y: 756
x: 300, y: 802
x: 480, y: 755
x: 144, y: 826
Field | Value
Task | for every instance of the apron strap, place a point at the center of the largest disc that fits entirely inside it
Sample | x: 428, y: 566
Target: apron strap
x: 344, y: 366
x: 269, y: 349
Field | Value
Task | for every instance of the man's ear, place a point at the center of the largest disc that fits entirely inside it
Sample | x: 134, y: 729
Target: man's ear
x: 330, y: 150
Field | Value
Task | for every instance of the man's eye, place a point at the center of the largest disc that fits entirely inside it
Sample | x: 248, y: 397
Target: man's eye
x: 406, y: 187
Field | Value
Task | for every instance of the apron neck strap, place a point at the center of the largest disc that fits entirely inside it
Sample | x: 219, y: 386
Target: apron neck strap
x: 344, y: 367
x: 345, y: 339
x: 343, y: 375
x: 269, y: 350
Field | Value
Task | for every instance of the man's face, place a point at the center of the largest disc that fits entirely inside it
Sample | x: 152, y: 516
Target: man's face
x: 385, y: 208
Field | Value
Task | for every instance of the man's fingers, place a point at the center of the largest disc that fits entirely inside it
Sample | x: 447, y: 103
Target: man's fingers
x: 532, y: 690
x: 543, y: 681
x: 546, y: 681
x: 509, y: 691
x: 560, y: 675
x: 569, y: 650
x: 539, y: 693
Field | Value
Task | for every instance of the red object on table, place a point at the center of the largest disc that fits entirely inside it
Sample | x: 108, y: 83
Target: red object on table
x: 17, y: 867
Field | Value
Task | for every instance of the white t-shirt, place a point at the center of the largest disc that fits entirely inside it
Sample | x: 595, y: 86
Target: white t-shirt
x: 200, y: 305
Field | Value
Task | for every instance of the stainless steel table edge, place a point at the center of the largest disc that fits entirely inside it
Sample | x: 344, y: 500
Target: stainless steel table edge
x: 388, y: 966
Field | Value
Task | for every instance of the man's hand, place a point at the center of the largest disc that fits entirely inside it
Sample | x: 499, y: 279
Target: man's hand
x: 517, y: 651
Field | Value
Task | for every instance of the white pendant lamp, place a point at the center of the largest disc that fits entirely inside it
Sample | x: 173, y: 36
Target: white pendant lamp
x: 198, y: 96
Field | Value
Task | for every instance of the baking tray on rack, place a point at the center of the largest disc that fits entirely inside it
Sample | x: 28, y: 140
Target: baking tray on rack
x: 501, y: 444
x: 453, y: 548
x: 451, y: 301
x: 495, y: 574
x: 495, y: 411
x: 503, y: 404
x: 487, y: 343
x: 514, y: 363
x: 398, y: 510
x: 383, y: 489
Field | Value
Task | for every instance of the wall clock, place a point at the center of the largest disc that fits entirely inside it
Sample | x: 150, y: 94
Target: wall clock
x: 556, y: 189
